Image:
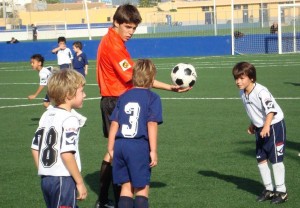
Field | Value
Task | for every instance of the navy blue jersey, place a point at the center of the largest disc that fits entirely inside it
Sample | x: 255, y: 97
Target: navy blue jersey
x: 79, y: 62
x: 134, y: 109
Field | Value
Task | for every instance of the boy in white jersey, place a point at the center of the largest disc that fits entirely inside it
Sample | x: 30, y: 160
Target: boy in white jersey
x: 37, y: 63
x: 64, y: 54
x: 267, y: 123
x: 55, y: 145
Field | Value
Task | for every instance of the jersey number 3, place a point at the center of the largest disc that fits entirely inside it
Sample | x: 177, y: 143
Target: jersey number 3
x: 133, y: 109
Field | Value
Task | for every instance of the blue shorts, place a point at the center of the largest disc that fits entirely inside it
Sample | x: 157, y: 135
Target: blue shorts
x: 59, y: 191
x: 131, y: 162
x: 271, y: 148
x: 65, y: 66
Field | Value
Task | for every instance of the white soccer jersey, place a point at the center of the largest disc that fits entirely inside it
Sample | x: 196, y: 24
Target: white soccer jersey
x: 58, y: 132
x: 45, y: 74
x: 259, y: 103
x: 64, y: 56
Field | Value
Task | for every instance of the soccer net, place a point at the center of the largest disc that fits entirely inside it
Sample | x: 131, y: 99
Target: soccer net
x: 49, y: 30
x: 251, y: 29
x: 288, y: 28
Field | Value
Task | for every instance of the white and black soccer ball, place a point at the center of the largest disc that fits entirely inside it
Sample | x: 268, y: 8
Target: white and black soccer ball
x: 184, y: 75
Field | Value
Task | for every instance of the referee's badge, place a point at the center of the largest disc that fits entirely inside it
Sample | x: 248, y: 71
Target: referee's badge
x: 124, y: 64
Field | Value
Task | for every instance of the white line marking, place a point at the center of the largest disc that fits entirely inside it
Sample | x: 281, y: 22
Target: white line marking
x: 97, y: 98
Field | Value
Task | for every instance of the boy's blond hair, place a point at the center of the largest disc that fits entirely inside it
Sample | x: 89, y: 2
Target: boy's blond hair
x: 64, y: 84
x: 144, y: 72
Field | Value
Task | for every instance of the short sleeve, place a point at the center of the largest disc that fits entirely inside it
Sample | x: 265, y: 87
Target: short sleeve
x: 155, y: 110
x: 70, y: 135
x: 267, y: 102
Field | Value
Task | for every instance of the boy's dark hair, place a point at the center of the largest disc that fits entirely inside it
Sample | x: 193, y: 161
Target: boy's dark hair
x: 127, y: 13
x: 244, y: 68
x: 78, y: 44
x: 39, y: 58
x: 61, y: 39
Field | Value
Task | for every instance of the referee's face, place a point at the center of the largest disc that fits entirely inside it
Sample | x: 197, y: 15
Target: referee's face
x: 125, y: 30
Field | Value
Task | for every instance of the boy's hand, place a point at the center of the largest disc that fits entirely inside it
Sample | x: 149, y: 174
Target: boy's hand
x: 265, y: 132
x: 82, y: 191
x: 251, y: 129
x: 30, y: 97
x: 153, y: 156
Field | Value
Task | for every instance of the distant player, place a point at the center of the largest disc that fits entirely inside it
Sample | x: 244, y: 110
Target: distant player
x: 55, y: 145
x: 64, y: 54
x: 133, y: 136
x: 34, y: 32
x: 80, y: 61
x: 267, y: 123
x: 37, y: 63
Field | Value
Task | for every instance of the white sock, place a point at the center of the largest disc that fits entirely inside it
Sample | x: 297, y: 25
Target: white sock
x: 266, y: 177
x: 279, y: 176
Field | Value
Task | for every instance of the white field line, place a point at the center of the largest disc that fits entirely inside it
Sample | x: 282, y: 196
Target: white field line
x: 163, y: 98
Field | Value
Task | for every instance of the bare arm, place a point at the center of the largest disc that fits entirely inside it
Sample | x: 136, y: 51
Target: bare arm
x: 265, y: 132
x: 35, y: 155
x: 38, y: 91
x: 111, y: 138
x: 152, y: 131
x: 70, y: 162
x: 164, y: 86
x: 86, y: 69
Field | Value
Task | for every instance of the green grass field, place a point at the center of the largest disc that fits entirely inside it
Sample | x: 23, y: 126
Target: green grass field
x: 206, y: 158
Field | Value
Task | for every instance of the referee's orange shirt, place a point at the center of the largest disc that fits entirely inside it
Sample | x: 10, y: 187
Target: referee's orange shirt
x: 114, y: 65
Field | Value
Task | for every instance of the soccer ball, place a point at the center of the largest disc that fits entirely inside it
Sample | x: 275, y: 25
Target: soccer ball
x: 184, y: 75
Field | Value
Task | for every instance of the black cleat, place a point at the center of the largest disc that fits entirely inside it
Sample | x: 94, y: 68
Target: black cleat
x: 279, y: 197
x: 109, y: 204
x: 265, y: 195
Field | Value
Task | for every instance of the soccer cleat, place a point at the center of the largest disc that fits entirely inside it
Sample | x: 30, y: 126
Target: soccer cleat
x: 109, y: 204
x: 279, y: 197
x: 265, y: 195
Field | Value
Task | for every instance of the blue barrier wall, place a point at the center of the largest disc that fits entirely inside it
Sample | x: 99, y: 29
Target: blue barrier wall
x: 138, y: 48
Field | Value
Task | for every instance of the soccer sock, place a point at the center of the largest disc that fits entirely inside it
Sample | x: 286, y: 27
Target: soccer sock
x: 105, y: 181
x: 117, y: 192
x: 141, y: 202
x: 279, y: 176
x: 266, y: 175
x: 125, y: 202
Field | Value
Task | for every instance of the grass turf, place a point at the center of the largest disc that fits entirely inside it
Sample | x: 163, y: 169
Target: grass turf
x: 206, y: 158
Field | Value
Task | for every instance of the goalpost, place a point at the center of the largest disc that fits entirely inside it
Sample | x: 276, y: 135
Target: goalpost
x: 288, y: 28
x: 49, y: 29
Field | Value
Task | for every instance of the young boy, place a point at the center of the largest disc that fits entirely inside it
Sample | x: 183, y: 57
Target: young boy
x: 55, y: 145
x: 80, y: 61
x: 37, y: 63
x: 64, y: 54
x: 267, y: 123
x: 133, y: 136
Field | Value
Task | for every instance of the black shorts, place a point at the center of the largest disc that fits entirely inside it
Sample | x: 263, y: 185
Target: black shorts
x: 107, y: 105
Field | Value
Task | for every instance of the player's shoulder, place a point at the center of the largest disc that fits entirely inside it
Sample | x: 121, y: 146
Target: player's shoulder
x: 259, y: 88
